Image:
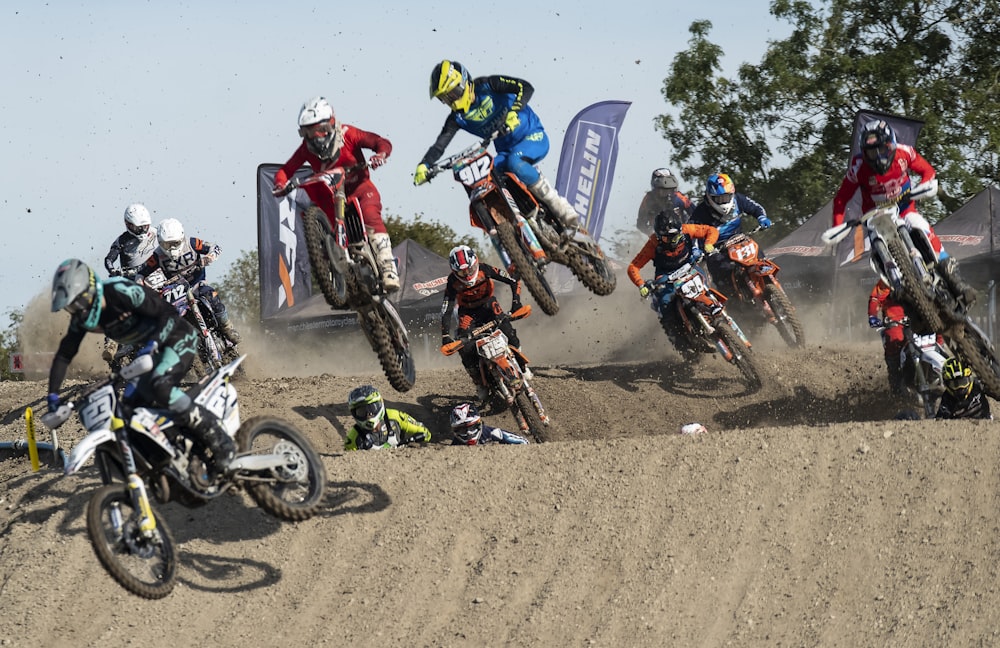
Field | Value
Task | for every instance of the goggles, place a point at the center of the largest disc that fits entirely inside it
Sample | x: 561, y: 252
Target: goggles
x: 79, y: 305
x: 453, y: 95
x: 721, y: 199
x: 316, y: 131
x: 171, y: 245
x: 138, y: 230
x: 365, y: 411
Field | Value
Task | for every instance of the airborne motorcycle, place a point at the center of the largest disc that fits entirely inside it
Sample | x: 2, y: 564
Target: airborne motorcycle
x: 343, y: 262
x: 706, y: 324
x: 754, y: 282
x: 140, y: 450
x: 905, y: 259
x: 527, y: 236
x: 502, y: 374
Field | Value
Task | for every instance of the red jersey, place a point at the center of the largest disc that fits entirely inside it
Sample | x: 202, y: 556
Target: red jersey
x: 881, y: 303
x: 355, y: 140
x: 892, y: 187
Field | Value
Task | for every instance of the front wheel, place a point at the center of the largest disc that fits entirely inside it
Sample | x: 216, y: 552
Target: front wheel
x: 527, y: 270
x: 786, y: 321
x: 741, y: 355
x: 523, y: 403
x: 332, y: 284
x: 294, y: 490
x: 145, y: 566
x: 977, y: 351
x: 389, y: 340
x: 914, y: 289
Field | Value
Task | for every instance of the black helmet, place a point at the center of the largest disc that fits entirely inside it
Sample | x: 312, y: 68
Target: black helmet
x: 668, y: 228
x: 77, y: 290
x: 878, y: 145
x: 663, y: 179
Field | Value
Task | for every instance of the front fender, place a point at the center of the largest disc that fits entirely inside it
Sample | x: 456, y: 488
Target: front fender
x: 85, y: 449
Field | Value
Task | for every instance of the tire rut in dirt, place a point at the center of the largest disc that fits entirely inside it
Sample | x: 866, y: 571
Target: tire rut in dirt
x: 322, y: 269
x: 292, y: 501
x: 595, y: 274
x: 538, y: 429
x: 743, y: 357
x: 526, y: 270
x: 788, y: 324
x: 914, y: 288
x: 160, y: 566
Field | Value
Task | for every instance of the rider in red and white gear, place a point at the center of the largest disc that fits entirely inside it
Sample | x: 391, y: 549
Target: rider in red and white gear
x: 470, y: 286
x: 882, y: 173
x: 328, y: 143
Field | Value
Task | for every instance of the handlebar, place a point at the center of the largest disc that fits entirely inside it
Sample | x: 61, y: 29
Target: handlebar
x: 449, y: 162
x: 454, y: 347
x: 331, y: 177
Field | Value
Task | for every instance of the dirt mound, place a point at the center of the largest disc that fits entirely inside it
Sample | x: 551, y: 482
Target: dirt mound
x: 805, y: 516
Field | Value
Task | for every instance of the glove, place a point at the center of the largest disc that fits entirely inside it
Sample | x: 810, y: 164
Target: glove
x: 512, y: 121
x: 645, y: 289
x: 115, y: 273
x: 709, y: 248
x: 53, y: 402
x: 147, y: 348
x: 280, y: 190
x: 696, y: 254
x: 376, y: 161
x: 446, y: 339
x: 203, y: 260
x: 764, y: 221
x: 874, y: 321
x: 420, y: 175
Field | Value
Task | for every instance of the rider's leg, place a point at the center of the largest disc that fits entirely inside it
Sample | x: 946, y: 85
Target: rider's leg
x: 520, y: 161
x: 370, y: 203
x: 947, y: 264
x: 221, y: 314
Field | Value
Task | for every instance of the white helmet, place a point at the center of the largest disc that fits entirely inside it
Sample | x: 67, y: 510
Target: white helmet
x: 318, y: 126
x: 137, y: 220
x: 170, y: 236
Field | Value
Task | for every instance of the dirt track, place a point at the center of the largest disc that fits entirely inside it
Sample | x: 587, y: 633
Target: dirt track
x: 805, y: 517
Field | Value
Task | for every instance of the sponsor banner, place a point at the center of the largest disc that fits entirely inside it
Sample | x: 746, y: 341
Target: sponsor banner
x: 587, y: 161
x: 281, y: 250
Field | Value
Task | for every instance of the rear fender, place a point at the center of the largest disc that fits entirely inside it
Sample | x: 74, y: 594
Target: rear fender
x: 85, y: 449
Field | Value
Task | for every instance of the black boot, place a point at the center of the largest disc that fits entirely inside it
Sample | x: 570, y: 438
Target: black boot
x: 896, y: 383
x: 213, y: 435
x: 949, y: 270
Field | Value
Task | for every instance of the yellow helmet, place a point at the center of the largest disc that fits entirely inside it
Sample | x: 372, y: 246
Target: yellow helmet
x: 957, y: 377
x: 450, y: 83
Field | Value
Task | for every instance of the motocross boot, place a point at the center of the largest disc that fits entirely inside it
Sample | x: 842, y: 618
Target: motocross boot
x: 211, y: 432
x: 227, y: 330
x: 556, y: 204
x: 386, y: 261
x: 896, y: 383
x: 949, y: 269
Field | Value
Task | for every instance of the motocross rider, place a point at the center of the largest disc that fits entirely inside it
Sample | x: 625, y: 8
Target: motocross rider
x: 134, y: 314
x: 470, y: 285
x: 328, y: 143
x: 882, y: 172
x: 963, y: 393
x: 467, y: 428
x: 177, y: 255
x: 130, y: 250
x: 484, y: 105
x: 376, y: 426
x: 723, y: 207
x: 669, y: 247
x: 882, y: 306
x: 662, y: 195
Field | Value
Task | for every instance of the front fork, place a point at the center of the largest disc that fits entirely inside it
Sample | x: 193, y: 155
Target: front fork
x: 136, y: 487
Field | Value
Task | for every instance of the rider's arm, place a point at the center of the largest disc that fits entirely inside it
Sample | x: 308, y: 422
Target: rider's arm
x: 444, y: 138
x: 373, y: 142
x: 848, y: 187
x: 521, y: 89
x: 877, y: 299
x: 113, y: 254
x: 749, y: 206
x: 206, y: 249
x: 919, y: 165
x: 707, y: 233
x: 501, y: 275
x: 447, y: 307
x: 289, y: 168
x: 68, y: 347
x: 409, y: 425
x: 644, y: 256
x: 351, y: 442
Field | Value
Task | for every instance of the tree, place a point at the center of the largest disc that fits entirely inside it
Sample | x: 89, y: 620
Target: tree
x: 434, y: 236
x: 782, y: 128
x: 10, y: 343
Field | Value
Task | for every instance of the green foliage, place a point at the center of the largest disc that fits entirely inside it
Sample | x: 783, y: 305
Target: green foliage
x: 239, y: 288
x: 10, y: 342
x: 934, y: 61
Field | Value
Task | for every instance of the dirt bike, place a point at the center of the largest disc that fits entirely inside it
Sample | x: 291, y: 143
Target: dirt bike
x: 906, y: 261
x: 754, y: 281
x: 524, y: 231
x: 140, y: 450
x: 502, y: 373
x: 707, y: 326
x: 920, y: 362
x: 343, y: 262
x: 214, y: 349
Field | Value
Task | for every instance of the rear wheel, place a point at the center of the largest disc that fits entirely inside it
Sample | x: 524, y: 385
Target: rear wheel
x: 294, y: 490
x: 594, y: 273
x: 527, y: 271
x: 742, y: 356
x: 145, y: 566
x: 331, y: 283
x: 788, y: 323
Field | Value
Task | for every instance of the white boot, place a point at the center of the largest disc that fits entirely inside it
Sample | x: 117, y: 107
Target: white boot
x: 386, y: 262
x: 556, y: 204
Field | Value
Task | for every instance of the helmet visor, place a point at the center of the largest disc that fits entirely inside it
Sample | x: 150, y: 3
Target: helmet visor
x: 138, y: 230
x: 171, y: 246
x: 451, y: 96
x: 316, y: 131
x: 671, y: 239
x: 959, y: 384
x: 79, y: 305
x: 721, y: 199
x: 468, y: 272
x: 365, y: 411
x: 469, y: 434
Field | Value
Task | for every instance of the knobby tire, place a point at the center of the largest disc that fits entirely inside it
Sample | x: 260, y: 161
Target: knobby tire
x: 743, y: 357
x: 595, y: 274
x: 788, y: 323
x: 392, y: 351
x: 981, y: 356
x: 914, y: 287
x: 331, y: 284
x: 538, y: 430
x: 527, y: 271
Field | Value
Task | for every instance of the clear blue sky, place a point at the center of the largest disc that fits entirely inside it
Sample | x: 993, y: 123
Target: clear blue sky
x: 175, y: 104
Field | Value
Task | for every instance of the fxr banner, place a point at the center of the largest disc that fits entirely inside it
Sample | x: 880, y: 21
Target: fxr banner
x: 281, y: 248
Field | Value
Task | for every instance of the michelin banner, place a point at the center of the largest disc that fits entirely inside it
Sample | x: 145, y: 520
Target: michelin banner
x: 587, y: 161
